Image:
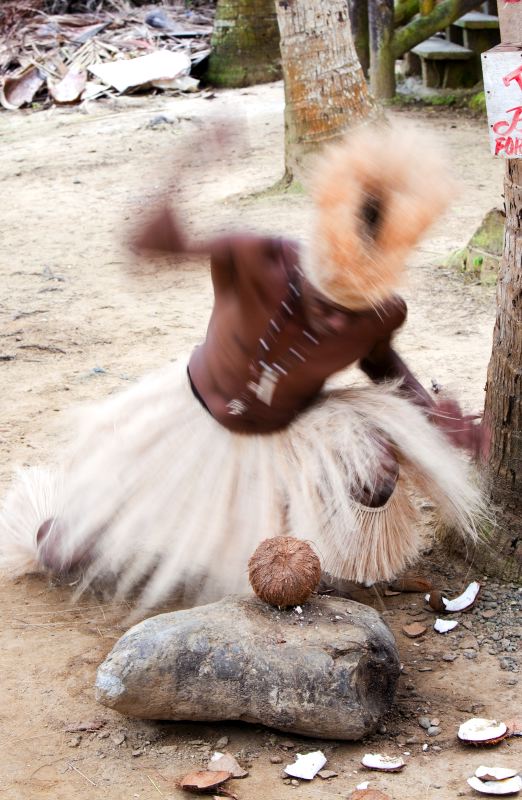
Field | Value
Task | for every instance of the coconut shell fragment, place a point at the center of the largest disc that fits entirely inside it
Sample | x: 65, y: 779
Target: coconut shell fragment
x: 436, y: 600
x: 411, y: 582
x: 368, y: 794
x: 445, y: 625
x: 382, y: 763
x: 463, y: 602
x: 284, y: 571
x: 203, y: 781
x: 414, y: 630
x: 479, y: 731
x: 505, y: 787
x: 495, y: 773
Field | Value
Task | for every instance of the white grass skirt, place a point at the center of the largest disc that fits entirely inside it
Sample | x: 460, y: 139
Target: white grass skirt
x: 163, y: 496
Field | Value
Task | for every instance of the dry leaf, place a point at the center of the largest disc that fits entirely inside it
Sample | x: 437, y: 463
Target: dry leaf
x: 414, y: 630
x: 203, y: 781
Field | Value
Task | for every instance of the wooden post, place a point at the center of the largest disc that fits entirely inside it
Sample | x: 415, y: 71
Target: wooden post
x: 503, y: 410
x: 382, y: 59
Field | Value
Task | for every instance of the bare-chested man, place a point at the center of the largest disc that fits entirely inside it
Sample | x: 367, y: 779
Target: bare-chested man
x: 178, y: 479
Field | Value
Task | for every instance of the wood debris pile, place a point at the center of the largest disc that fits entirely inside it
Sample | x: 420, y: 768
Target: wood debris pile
x: 68, y: 58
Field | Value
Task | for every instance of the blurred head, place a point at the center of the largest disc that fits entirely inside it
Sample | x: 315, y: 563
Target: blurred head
x: 374, y: 195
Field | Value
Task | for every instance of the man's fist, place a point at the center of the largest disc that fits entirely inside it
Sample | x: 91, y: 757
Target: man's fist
x: 467, y: 431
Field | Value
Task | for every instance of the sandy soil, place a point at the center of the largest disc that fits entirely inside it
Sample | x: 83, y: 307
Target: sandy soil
x: 77, y: 327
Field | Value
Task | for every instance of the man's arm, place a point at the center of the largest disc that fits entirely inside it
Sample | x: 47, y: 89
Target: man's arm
x: 162, y: 234
x: 463, y: 430
x: 384, y: 363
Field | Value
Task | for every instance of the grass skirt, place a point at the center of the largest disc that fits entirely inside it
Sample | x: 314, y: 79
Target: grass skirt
x: 163, y: 497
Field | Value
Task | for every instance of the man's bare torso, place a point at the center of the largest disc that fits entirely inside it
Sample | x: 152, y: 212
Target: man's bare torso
x: 255, y: 280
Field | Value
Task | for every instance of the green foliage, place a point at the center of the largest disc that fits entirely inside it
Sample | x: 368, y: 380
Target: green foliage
x: 478, y: 102
x: 448, y: 100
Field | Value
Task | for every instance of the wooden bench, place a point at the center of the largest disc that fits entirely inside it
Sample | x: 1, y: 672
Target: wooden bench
x: 476, y: 31
x: 445, y: 64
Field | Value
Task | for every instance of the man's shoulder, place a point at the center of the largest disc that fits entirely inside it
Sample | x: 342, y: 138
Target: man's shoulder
x: 393, y: 312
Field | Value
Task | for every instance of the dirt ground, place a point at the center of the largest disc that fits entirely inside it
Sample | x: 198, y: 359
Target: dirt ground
x: 75, y: 326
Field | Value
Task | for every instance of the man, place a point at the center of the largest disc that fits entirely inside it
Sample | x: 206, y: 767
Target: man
x: 173, y: 483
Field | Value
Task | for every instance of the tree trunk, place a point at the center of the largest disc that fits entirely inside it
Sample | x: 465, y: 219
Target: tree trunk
x: 358, y: 10
x: 325, y: 90
x: 382, y: 60
x: 426, y: 7
x: 503, y: 412
x: 405, y: 10
x: 245, y: 44
x: 422, y: 28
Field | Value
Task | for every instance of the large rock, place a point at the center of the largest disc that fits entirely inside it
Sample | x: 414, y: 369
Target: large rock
x: 328, y: 672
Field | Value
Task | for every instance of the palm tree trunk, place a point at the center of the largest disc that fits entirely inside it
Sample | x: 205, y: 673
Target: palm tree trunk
x: 503, y: 412
x: 325, y: 89
x: 245, y: 44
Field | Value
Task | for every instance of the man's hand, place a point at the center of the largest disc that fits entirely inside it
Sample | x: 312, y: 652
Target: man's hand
x: 466, y: 431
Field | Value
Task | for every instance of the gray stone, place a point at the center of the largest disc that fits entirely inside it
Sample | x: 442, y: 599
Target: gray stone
x: 240, y: 659
x: 221, y: 743
x: 434, y: 730
x: 424, y: 722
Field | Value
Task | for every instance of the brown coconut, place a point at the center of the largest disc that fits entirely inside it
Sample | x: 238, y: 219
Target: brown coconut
x: 284, y: 571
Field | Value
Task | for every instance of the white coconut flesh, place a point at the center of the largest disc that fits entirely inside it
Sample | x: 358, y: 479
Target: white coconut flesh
x: 508, y: 786
x: 495, y: 773
x: 445, y: 625
x: 481, y: 730
x: 464, y: 600
x: 384, y: 763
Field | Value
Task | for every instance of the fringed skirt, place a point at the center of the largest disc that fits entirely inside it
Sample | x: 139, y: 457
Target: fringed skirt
x: 157, y: 495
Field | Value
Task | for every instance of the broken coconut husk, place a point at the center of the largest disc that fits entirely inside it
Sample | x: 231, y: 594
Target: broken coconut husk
x: 70, y: 88
x: 383, y: 763
x: 508, y: 786
x: 203, y: 781
x: 284, y: 571
x: 445, y: 625
x: 478, y: 731
x: 21, y: 89
x: 463, y: 602
x: 495, y: 773
x: 411, y: 582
